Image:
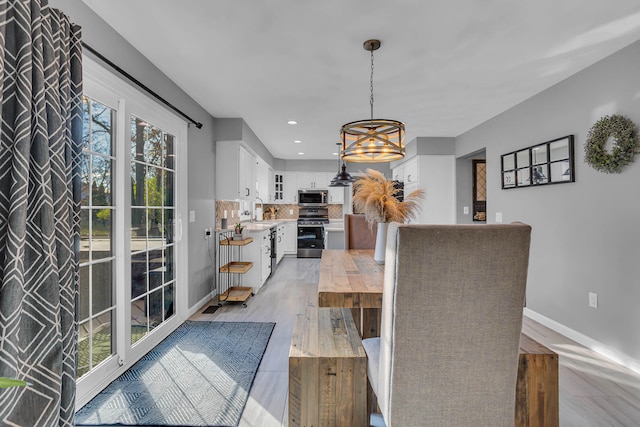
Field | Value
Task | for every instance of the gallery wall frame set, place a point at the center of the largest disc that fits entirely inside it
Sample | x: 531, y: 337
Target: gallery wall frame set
x: 550, y: 162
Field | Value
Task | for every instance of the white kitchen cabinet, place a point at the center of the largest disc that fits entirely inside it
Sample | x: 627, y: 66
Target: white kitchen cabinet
x: 290, y: 188
x: 260, y: 254
x: 270, y: 187
x: 280, y: 240
x: 313, y: 180
x: 290, y: 238
x: 336, y: 194
x: 235, y: 171
x: 412, y: 170
x: 264, y: 177
x: 278, y: 187
x: 398, y: 173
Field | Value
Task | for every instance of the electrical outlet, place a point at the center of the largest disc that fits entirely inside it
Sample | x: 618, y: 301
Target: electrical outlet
x: 465, y: 210
x: 498, y: 216
x: 207, y: 233
x: 593, y: 300
x: 290, y: 211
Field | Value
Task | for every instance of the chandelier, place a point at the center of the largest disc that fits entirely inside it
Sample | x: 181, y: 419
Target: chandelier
x: 372, y: 140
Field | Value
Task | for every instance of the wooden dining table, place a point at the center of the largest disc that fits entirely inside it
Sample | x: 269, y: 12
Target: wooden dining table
x: 352, y: 279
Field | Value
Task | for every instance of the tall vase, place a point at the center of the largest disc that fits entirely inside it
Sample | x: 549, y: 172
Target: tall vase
x: 381, y: 242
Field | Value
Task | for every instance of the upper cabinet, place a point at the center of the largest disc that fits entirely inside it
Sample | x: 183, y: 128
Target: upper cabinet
x: 265, y: 176
x: 312, y: 180
x: 290, y: 192
x: 235, y: 171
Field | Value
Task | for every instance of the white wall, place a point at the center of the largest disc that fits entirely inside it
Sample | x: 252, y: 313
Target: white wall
x: 586, y: 235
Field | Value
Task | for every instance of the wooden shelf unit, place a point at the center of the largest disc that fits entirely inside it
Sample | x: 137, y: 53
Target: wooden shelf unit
x: 231, y: 269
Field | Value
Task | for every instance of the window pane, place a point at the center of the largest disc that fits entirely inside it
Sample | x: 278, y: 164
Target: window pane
x: 138, y: 184
x: 153, y: 145
x: 138, y: 229
x: 85, y: 177
x: 101, y: 128
x: 101, y: 185
x: 154, y: 186
x: 168, y: 225
x: 101, y: 233
x: 155, y: 225
x: 137, y: 139
x: 138, y: 319
x: 84, y: 235
x: 83, y: 294
x: 138, y: 274
x: 168, y: 188
x: 170, y: 156
x: 155, y: 309
x: 169, y: 262
x: 84, y: 349
x: 156, y: 268
x: 168, y: 300
x: 86, y: 132
x: 102, y: 337
x: 102, y: 286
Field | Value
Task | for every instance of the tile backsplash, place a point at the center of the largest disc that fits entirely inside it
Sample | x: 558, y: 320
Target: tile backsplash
x: 229, y: 206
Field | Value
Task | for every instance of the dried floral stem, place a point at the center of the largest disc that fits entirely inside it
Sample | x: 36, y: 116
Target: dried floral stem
x: 375, y: 197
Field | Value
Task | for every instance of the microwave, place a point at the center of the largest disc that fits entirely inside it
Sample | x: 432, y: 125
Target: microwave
x: 313, y: 197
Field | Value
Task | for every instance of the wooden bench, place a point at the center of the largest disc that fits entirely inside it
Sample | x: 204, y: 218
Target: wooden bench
x: 537, y: 397
x: 327, y: 370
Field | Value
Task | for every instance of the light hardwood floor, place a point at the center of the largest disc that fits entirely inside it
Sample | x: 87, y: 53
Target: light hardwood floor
x: 594, y: 391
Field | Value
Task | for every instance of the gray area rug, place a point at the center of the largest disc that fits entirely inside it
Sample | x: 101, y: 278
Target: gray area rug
x: 200, y: 375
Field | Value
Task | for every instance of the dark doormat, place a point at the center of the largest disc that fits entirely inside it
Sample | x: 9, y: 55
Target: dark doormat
x: 210, y: 309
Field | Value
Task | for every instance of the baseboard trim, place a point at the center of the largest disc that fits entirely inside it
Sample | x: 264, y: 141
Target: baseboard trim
x: 600, y: 348
x: 197, y: 306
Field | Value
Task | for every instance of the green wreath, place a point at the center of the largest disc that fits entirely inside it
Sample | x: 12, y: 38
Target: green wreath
x: 623, y: 150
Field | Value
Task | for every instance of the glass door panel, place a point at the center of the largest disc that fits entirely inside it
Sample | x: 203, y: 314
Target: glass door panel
x: 152, y: 214
x: 96, y: 295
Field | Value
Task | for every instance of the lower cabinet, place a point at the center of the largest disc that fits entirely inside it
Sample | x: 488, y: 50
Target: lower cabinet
x: 260, y: 254
x: 290, y: 238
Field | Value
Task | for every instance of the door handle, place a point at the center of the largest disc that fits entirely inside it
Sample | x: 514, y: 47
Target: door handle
x: 247, y: 191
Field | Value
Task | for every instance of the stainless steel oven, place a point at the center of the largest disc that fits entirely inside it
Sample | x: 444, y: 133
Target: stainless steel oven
x: 311, y: 222
x: 313, y: 197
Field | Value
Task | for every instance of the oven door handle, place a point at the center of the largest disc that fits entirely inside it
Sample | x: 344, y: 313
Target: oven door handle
x: 309, y: 225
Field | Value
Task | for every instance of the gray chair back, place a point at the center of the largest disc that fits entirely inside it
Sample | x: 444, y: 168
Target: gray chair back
x: 451, y: 324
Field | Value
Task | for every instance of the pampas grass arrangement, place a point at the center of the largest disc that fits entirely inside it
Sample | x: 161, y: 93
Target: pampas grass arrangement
x: 375, y: 197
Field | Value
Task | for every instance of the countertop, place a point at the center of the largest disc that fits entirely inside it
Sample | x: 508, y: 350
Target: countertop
x: 258, y: 226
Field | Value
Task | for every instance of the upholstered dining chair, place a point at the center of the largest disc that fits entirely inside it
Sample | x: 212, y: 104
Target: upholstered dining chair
x: 447, y: 354
x: 358, y: 234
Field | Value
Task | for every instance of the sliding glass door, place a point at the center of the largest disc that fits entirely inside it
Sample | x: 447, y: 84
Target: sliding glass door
x: 131, y: 292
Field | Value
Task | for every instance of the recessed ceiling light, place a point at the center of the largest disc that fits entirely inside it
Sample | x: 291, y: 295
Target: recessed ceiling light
x: 292, y: 122
x: 297, y: 141
x: 301, y: 153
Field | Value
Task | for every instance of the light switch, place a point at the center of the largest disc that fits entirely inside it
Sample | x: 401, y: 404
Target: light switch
x: 465, y: 210
x: 192, y: 216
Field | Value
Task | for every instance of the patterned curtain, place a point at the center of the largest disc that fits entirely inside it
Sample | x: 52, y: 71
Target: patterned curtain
x: 40, y: 140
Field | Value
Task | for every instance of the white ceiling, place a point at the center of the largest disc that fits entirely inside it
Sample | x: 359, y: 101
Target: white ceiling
x: 444, y: 66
